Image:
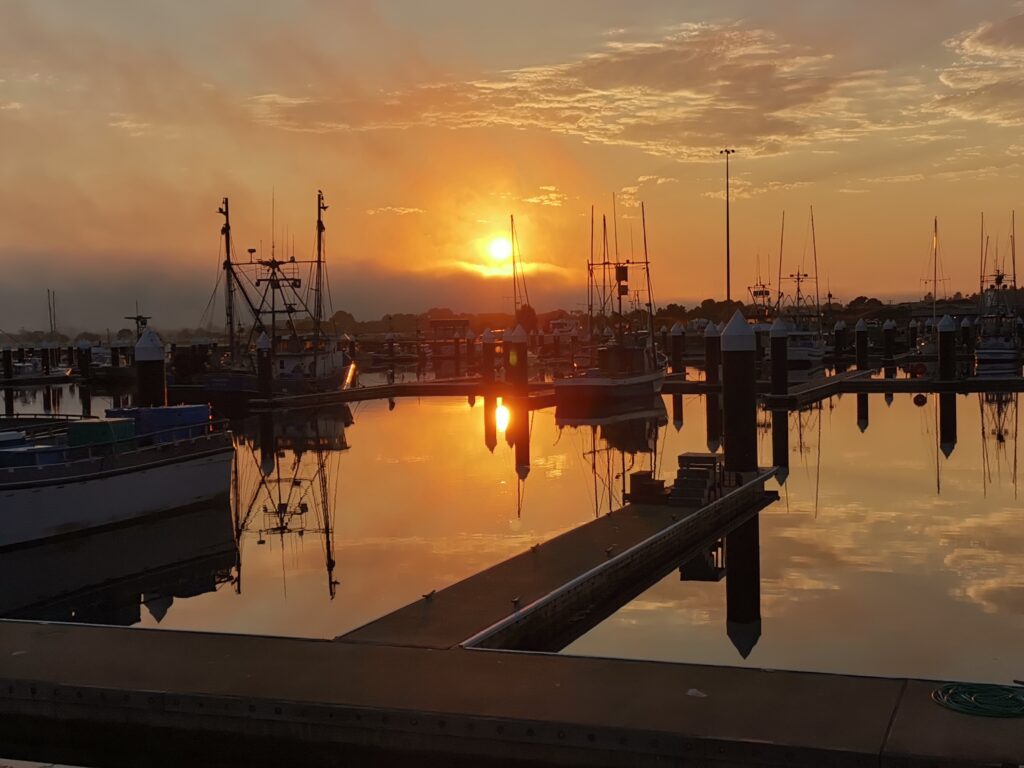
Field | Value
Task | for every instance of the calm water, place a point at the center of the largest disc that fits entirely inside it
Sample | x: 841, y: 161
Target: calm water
x: 882, y: 557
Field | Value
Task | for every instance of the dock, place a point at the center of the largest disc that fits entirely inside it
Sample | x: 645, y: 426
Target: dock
x: 546, y: 597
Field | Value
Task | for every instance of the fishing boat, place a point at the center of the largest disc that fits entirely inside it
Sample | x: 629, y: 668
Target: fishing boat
x: 623, y: 367
x: 997, y: 350
x: 93, y: 473
x: 283, y: 300
x: 806, y: 345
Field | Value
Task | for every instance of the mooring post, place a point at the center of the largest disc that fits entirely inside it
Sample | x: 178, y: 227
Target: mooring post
x: 739, y: 397
x: 487, y: 345
x: 860, y: 341
x: 967, y: 334
x: 947, y: 348
x: 912, y: 335
x: 264, y: 374
x: 8, y: 363
x: 678, y: 348
x: 151, y: 384
x: 44, y: 357
x: 780, y: 356
x: 457, y: 352
x: 712, y: 353
x: 21, y: 354
x: 889, y: 341
x: 470, y: 349
x: 516, y: 344
x: 839, y: 344
x: 947, y: 423
x: 8, y: 402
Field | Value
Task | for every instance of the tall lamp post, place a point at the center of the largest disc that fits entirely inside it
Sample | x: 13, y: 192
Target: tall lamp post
x: 728, y: 275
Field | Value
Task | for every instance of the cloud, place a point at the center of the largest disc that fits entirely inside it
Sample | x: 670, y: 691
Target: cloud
x: 682, y: 95
x: 395, y: 210
x: 548, y: 195
x: 986, y: 83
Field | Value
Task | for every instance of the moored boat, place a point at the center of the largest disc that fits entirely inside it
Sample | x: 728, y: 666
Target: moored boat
x: 102, y: 472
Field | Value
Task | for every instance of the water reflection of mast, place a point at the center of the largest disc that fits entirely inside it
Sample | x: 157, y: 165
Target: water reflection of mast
x: 285, y: 498
x: 999, y: 418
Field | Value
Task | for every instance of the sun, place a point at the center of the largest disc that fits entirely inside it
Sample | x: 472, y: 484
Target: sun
x: 500, y: 248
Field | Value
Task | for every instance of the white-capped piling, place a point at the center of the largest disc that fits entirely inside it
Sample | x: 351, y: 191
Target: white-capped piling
x: 666, y: 350
x: 780, y: 356
x: 457, y: 352
x: 487, y: 345
x: 839, y: 340
x: 516, y: 344
x: 739, y: 396
x: 860, y: 342
x: 947, y: 348
x: 712, y: 353
x: 8, y: 359
x: 967, y: 334
x: 912, y: 334
x: 44, y: 357
x: 150, y: 371
x: 678, y: 334
x: 888, y: 341
x: 470, y: 348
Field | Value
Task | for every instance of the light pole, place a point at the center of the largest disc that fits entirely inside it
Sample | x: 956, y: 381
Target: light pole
x: 728, y: 276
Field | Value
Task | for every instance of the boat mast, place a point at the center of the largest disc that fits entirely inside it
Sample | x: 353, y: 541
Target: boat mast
x: 935, y: 271
x: 981, y: 260
x: 590, y: 283
x: 1013, y: 249
x: 515, y: 279
x: 814, y: 250
x: 318, y: 304
x: 782, y: 237
x: 650, y: 293
x: 229, y: 278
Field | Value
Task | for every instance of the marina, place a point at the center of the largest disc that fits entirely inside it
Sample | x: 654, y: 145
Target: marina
x: 571, y: 384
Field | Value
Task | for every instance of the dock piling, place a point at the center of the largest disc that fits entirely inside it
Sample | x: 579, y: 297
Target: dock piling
x: 678, y: 334
x: 860, y: 341
x: 780, y: 356
x: 712, y: 353
x: 739, y: 396
x: 487, y: 345
x: 151, y: 371
x: 947, y: 349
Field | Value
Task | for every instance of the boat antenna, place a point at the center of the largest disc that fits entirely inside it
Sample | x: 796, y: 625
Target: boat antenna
x: 590, y: 282
x: 981, y: 258
x: 935, y: 268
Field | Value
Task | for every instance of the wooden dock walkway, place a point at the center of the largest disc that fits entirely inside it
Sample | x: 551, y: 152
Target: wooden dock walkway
x: 544, y: 598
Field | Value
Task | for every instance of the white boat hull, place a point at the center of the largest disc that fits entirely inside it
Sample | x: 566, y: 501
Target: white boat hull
x: 64, y: 506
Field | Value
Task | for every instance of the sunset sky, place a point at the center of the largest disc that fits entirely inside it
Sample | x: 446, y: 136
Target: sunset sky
x: 122, y: 125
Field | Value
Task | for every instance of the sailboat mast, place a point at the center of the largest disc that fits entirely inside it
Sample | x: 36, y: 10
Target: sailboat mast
x: 318, y: 305
x: 229, y: 278
x: 782, y: 237
x: 650, y: 293
x: 590, y: 282
x: 935, y: 270
x: 1013, y: 247
x: 981, y: 258
x: 814, y: 250
x: 515, y: 279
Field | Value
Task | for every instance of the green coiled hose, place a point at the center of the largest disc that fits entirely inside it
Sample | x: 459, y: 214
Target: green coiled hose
x: 982, y: 700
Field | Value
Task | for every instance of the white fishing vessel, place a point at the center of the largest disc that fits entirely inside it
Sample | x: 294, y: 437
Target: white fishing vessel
x: 103, y: 472
x: 623, y: 366
x: 997, y: 350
